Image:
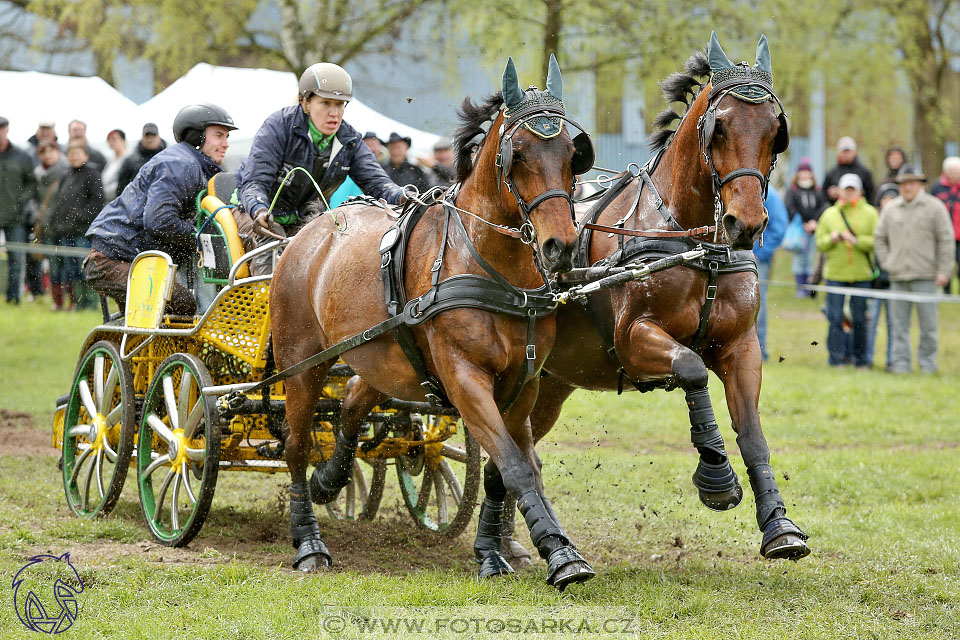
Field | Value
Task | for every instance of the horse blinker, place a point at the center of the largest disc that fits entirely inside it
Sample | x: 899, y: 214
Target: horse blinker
x: 782, y: 141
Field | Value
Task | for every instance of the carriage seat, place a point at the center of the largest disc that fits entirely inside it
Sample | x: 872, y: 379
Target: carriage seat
x: 219, y: 239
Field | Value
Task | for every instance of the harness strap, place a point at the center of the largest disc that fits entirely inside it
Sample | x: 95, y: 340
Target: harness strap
x: 546, y: 195
x: 697, y: 343
x: 653, y: 233
x: 744, y: 171
x: 584, y: 238
x: 663, y: 209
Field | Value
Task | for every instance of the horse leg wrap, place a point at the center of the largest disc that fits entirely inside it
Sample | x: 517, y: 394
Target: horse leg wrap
x: 714, y: 478
x: 304, y: 528
x: 565, y: 565
x: 781, y: 537
x: 486, y: 548
x: 326, y: 481
x: 510, y: 549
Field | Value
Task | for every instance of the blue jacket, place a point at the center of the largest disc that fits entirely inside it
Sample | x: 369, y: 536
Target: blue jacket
x: 157, y: 210
x: 283, y: 142
x: 776, y: 227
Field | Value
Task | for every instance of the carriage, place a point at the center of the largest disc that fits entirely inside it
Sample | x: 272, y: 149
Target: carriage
x: 165, y: 396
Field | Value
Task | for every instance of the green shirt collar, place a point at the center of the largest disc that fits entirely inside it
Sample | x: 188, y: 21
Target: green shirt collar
x: 318, y: 138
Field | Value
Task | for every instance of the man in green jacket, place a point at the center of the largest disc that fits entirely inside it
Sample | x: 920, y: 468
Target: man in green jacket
x: 845, y: 236
x: 18, y: 191
x: 915, y: 245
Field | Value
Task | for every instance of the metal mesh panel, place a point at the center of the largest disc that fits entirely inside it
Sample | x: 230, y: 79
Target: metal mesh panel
x: 240, y: 323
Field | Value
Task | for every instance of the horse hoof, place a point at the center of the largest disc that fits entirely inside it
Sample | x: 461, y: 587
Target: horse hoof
x: 494, y: 565
x: 721, y: 500
x: 312, y: 556
x: 783, y: 540
x: 313, y: 564
x: 513, y: 552
x: 566, y: 566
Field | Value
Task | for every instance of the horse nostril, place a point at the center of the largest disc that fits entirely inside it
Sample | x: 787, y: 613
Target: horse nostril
x: 552, y: 249
x: 732, y: 227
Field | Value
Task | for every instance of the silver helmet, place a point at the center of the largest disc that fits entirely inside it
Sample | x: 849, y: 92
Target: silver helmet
x: 326, y: 80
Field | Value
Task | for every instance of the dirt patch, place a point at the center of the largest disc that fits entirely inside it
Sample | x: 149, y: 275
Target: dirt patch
x: 19, y: 435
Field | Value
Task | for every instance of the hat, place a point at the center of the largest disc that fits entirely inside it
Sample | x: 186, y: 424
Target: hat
x: 396, y: 137
x: 850, y: 181
x: 443, y: 143
x: 372, y: 135
x: 150, y: 129
x: 3, y: 121
x: 805, y: 164
x: 909, y: 173
x: 46, y: 124
x: 846, y: 143
x: 887, y: 189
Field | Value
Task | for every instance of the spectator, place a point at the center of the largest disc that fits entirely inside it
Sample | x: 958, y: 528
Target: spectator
x: 894, y: 159
x: 441, y: 166
x: 375, y: 145
x: 948, y: 190
x: 117, y: 140
x: 45, y: 133
x: 53, y: 166
x: 806, y: 199
x: 845, y: 235
x: 18, y: 190
x: 150, y: 145
x: 399, y: 168
x: 885, y: 193
x: 78, y: 201
x: 847, y: 162
x: 772, y: 237
x: 915, y: 244
x: 77, y: 130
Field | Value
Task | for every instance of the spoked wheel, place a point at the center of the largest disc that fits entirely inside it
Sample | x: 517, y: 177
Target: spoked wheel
x: 178, y: 451
x: 98, y: 431
x: 360, y: 499
x: 440, y: 481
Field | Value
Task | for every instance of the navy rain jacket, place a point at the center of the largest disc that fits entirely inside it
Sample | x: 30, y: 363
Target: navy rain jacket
x: 157, y: 210
x: 284, y: 142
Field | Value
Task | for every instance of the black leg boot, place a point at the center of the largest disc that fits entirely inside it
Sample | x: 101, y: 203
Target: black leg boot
x: 565, y: 565
x: 486, y: 548
x: 714, y: 478
x: 311, y: 553
x: 327, y: 480
x: 782, y: 539
x: 510, y: 549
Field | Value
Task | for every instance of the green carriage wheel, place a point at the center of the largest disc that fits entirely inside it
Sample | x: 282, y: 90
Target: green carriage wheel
x: 440, y: 491
x: 360, y: 499
x: 178, y: 450
x: 98, y: 429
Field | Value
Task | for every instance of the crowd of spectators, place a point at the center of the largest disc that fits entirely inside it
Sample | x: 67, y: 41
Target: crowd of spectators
x: 854, y: 232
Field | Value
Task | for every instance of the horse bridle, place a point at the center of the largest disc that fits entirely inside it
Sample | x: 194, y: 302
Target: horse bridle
x: 707, y: 123
x: 582, y: 162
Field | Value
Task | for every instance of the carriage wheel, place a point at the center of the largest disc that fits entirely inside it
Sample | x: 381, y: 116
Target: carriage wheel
x: 99, y: 423
x: 179, y: 450
x: 360, y: 499
x: 440, y: 490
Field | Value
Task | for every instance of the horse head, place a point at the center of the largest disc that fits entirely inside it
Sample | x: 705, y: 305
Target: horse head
x: 741, y: 129
x: 534, y: 161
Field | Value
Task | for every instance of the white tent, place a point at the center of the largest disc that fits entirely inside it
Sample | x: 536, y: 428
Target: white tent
x: 29, y: 97
x: 250, y: 95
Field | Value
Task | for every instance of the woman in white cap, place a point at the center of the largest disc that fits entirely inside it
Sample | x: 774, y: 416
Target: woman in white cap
x: 313, y: 136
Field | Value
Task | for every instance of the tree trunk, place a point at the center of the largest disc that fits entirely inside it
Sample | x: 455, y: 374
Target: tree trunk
x: 551, y: 33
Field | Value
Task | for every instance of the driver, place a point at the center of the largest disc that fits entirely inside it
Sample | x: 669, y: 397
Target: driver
x: 310, y: 135
x: 156, y: 210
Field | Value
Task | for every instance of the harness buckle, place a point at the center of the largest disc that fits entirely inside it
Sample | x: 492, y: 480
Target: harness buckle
x: 711, y: 292
x: 528, y: 234
x: 385, y: 259
x: 431, y: 393
x: 436, y: 265
x: 531, y: 352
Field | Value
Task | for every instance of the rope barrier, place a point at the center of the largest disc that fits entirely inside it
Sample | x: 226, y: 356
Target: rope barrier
x: 882, y: 294
x: 45, y: 249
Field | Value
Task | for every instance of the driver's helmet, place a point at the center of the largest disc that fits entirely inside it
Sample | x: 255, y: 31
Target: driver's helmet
x: 197, y: 117
x: 326, y: 80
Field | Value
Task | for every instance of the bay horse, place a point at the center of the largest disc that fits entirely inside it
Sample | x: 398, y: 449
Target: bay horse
x: 329, y: 285
x: 710, y: 176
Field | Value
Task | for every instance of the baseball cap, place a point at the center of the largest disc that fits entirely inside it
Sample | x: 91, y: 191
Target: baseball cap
x: 150, y: 129
x: 850, y: 180
x: 846, y: 143
x: 442, y: 143
x: 46, y: 124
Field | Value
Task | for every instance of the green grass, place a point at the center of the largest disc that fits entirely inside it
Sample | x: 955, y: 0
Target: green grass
x: 870, y: 457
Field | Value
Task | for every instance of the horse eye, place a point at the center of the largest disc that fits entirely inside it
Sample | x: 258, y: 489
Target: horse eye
x: 717, y: 127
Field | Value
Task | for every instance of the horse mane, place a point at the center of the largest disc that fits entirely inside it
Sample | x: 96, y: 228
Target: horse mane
x: 679, y: 87
x: 472, y: 118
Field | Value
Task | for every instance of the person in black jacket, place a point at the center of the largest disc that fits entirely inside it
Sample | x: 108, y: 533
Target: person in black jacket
x: 847, y: 163
x: 150, y: 145
x: 311, y: 140
x: 804, y: 198
x: 399, y: 168
x: 77, y: 202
